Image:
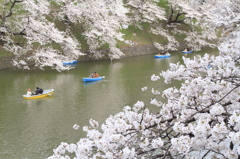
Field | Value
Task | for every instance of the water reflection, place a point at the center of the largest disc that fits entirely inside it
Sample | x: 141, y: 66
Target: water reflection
x: 90, y: 83
x: 162, y: 63
x: 37, y: 101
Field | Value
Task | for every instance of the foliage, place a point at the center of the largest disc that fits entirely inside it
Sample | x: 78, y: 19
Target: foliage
x: 61, y: 30
x: 24, y: 28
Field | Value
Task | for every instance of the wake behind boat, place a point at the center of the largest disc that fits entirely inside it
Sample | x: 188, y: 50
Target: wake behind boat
x: 45, y: 93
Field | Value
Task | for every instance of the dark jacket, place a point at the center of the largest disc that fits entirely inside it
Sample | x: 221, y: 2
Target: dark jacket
x: 39, y: 91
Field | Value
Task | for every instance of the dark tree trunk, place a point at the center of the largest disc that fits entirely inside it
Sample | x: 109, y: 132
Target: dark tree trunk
x: 171, y: 18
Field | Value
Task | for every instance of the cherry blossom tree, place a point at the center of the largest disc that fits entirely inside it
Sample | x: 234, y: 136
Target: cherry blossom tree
x: 161, y: 24
x: 100, y: 22
x: 28, y: 28
x: 25, y: 28
x: 201, y: 119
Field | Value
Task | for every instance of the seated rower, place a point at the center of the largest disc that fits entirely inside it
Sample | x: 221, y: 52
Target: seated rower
x: 38, y: 91
x: 96, y: 74
x: 91, y: 75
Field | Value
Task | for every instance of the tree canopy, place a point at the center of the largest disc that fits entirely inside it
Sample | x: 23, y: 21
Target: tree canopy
x: 41, y: 31
x: 201, y: 119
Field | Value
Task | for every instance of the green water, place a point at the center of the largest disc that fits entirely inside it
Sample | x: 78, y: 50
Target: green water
x: 31, y: 129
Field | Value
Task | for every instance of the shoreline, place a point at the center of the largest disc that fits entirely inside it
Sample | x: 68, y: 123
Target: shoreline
x: 138, y: 50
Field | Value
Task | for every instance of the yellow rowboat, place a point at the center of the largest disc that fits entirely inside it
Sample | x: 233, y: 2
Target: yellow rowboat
x: 45, y: 93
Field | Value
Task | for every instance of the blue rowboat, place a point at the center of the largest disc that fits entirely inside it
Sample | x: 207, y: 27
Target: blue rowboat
x: 44, y: 94
x: 162, y: 56
x: 89, y: 79
x: 187, y: 52
x: 70, y: 63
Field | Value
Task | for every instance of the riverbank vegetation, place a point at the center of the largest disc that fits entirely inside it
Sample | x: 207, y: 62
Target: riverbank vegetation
x: 201, y: 119
x: 52, y: 32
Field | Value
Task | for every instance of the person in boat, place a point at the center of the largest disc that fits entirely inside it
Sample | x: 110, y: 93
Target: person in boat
x: 167, y: 53
x: 96, y: 74
x: 29, y: 93
x: 91, y: 75
x: 162, y: 53
x: 185, y: 50
x: 38, y: 91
